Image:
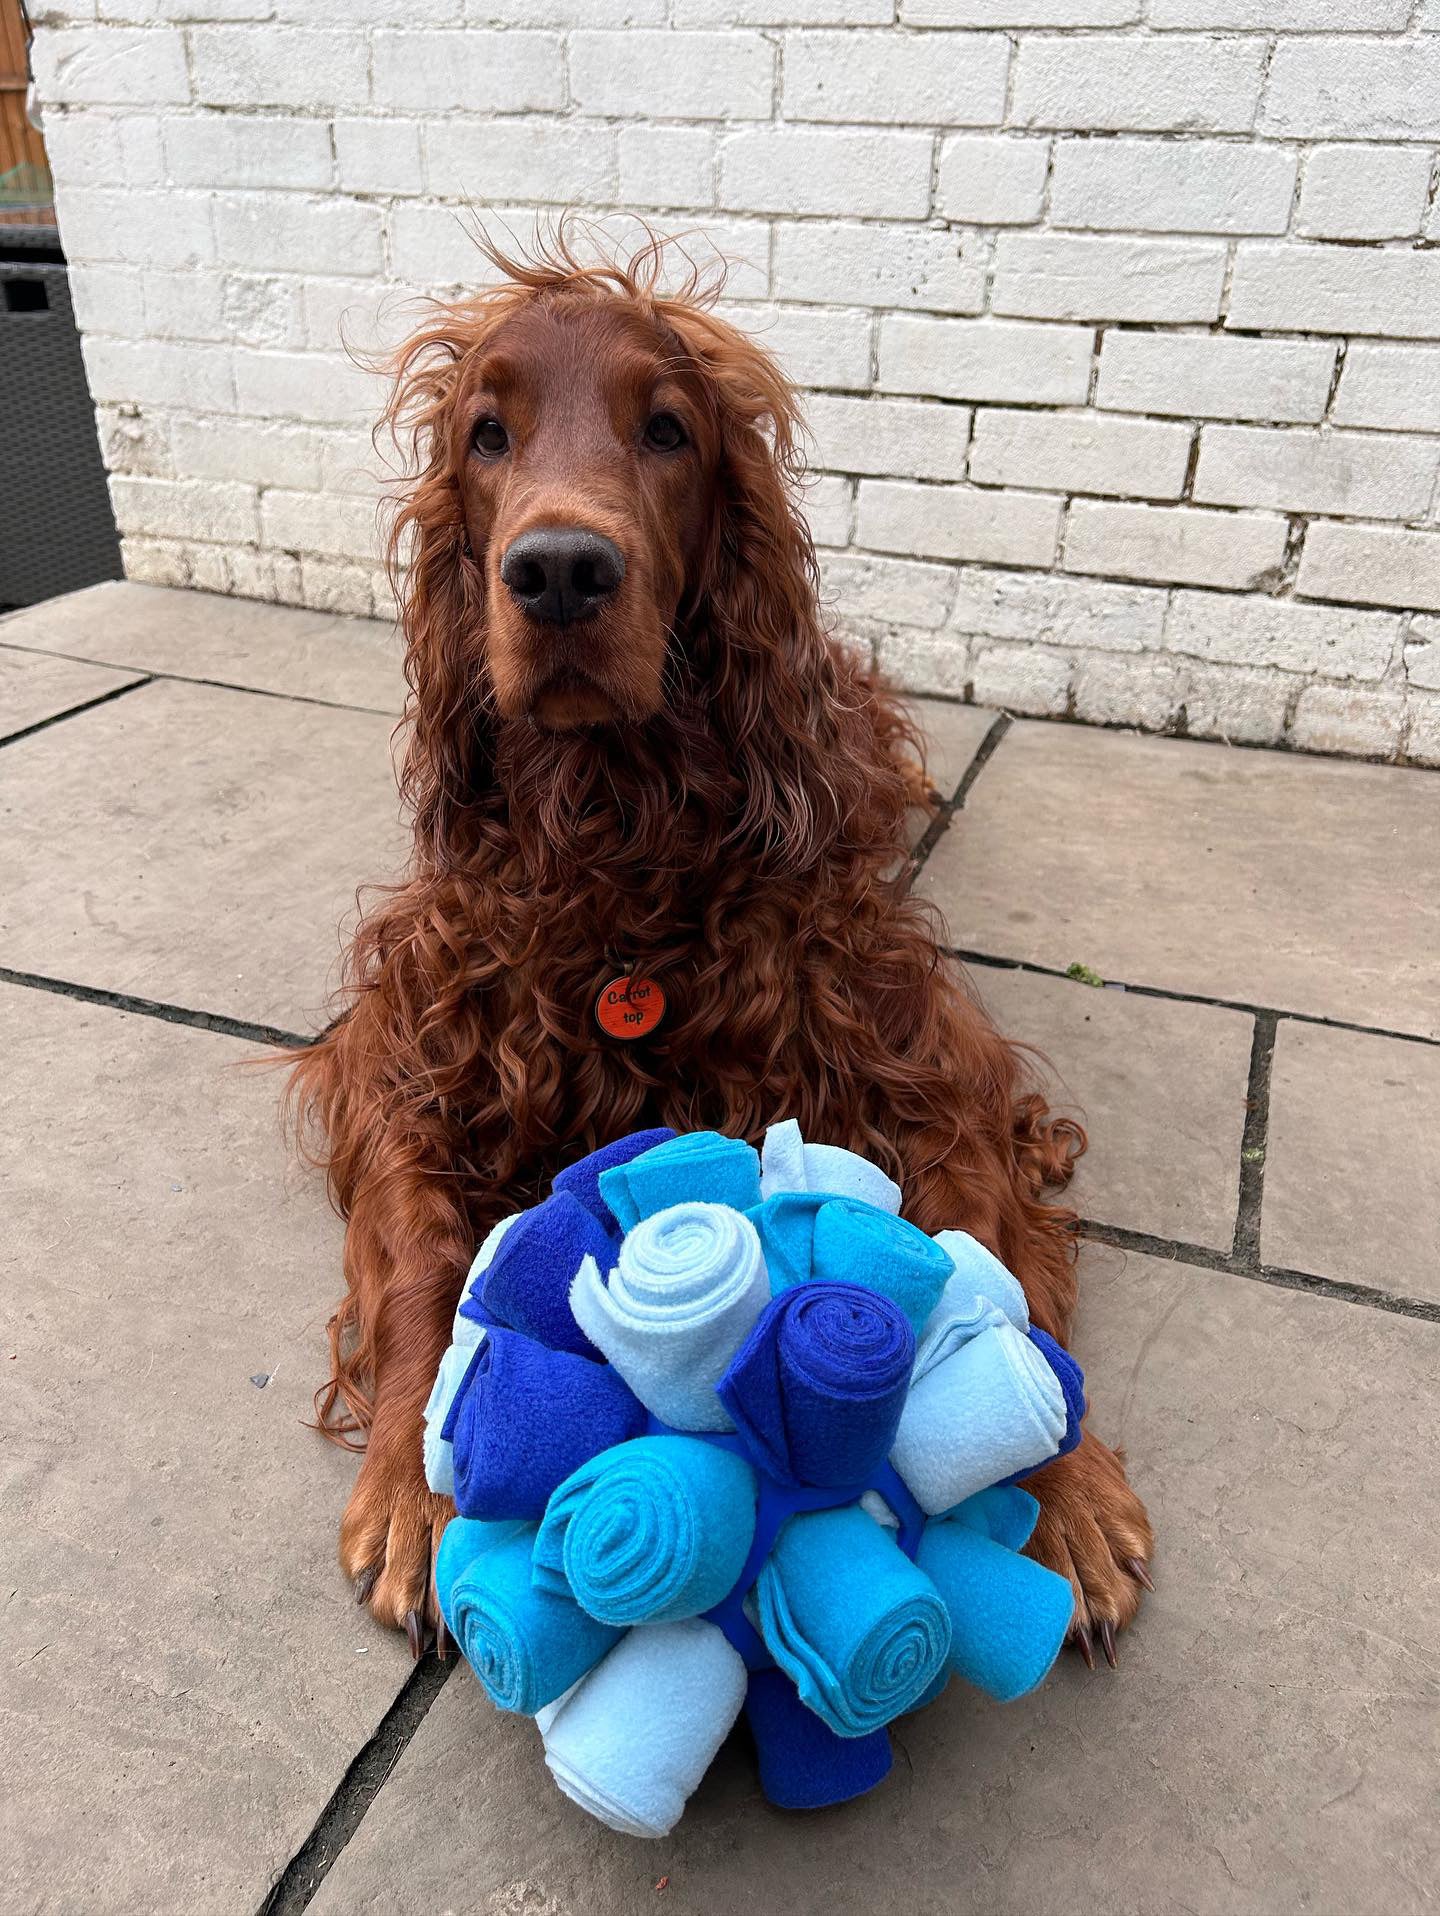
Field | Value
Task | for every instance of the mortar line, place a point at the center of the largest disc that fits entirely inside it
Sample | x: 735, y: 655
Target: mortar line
x: 1277, y: 1276
x: 940, y: 823
x: 216, y: 1021
x: 991, y: 961
x: 366, y: 1776
x: 73, y: 711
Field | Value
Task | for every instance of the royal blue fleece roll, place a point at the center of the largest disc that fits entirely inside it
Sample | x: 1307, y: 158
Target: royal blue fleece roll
x: 818, y: 1386
x: 649, y: 1532
x: 527, y: 1284
x: 582, y: 1179
x: 803, y: 1764
x: 524, y: 1417
x: 1008, y: 1615
x: 527, y: 1646
x: 807, y: 1237
x: 700, y: 1167
x: 1072, y: 1383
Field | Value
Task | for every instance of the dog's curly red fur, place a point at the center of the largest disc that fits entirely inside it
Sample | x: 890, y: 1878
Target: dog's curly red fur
x: 743, y: 843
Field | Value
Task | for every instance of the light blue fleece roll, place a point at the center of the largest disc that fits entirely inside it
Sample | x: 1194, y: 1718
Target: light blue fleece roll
x: 689, y: 1283
x: 861, y: 1631
x: 981, y: 1293
x: 788, y: 1163
x: 649, y: 1532
x: 632, y: 1741
x: 990, y: 1409
x: 700, y: 1167
x: 980, y: 1271
x: 439, y: 1452
x: 527, y: 1646
x: 1008, y: 1615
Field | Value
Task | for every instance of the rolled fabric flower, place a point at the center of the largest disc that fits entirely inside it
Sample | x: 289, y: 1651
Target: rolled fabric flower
x: 527, y: 1285
x: 807, y: 1236
x: 689, y: 1284
x: 524, y: 1417
x: 803, y: 1764
x: 1008, y: 1615
x: 471, y: 1319
x: 632, y: 1742
x: 787, y: 1163
x: 991, y: 1409
x: 650, y: 1532
x: 439, y: 1460
x: 527, y: 1646
x: 979, y: 1270
x: 980, y: 1293
x: 698, y: 1167
x: 582, y: 1179
x: 861, y: 1631
x: 818, y: 1386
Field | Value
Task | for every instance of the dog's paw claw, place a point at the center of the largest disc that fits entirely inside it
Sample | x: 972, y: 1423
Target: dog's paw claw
x: 1136, y: 1567
x: 365, y: 1583
x: 415, y: 1634
x: 1080, y: 1636
x: 1107, y: 1642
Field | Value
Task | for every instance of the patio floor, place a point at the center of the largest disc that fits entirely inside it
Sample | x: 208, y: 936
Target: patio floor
x: 196, y: 1713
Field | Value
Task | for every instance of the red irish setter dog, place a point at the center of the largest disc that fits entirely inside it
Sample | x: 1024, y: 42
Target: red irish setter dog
x: 633, y: 747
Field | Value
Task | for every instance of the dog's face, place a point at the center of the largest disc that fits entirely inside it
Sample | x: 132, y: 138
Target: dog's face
x: 586, y: 445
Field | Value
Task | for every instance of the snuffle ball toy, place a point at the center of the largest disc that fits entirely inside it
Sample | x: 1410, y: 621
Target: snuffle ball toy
x: 723, y: 1432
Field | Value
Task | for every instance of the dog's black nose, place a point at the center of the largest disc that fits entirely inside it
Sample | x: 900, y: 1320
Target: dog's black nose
x: 559, y: 573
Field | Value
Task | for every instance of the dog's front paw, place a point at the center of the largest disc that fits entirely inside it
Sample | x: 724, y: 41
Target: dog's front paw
x: 388, y: 1538
x: 1093, y: 1529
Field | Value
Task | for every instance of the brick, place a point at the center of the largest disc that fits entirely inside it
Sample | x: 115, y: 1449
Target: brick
x: 706, y: 76
x: 184, y: 509
x: 561, y: 13
x: 1395, y: 386
x: 667, y: 166
x: 350, y: 463
x: 99, y: 149
x: 992, y: 359
x: 1138, y: 84
x: 914, y: 79
x: 131, y: 442
x: 108, y: 299
x: 1072, y: 276
x: 1333, y: 641
x: 1080, y: 452
x: 435, y: 246
x: 1200, y: 375
x: 1359, y: 475
x: 900, y: 437
x: 734, y: 251
x: 815, y: 346
x: 1184, y: 544
x: 783, y: 13
x: 240, y: 150
x: 279, y: 66
x: 1118, y: 691
x: 1162, y: 186
x: 829, y: 505
x: 109, y: 65
x: 1335, y: 289
x: 1363, y: 192
x: 309, y: 235
x: 1331, y: 718
x: 1236, y: 703
x: 912, y: 266
x: 469, y: 72
x: 257, y: 452
x: 1422, y: 733
x: 1422, y: 654
x: 378, y: 156
x: 146, y: 229
x: 992, y: 180
x: 1293, y: 16
x: 782, y: 169
x: 958, y: 522
x: 318, y: 522
x: 1022, y: 678
x: 1354, y: 89
x: 334, y: 585
x: 1019, y: 13
x: 1371, y: 565
x: 1082, y: 613
x: 925, y: 661
x: 896, y: 591
x: 485, y: 160
x: 318, y: 386
x: 156, y: 373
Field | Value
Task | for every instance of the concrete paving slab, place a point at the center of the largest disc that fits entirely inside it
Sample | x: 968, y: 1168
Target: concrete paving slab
x: 34, y: 687
x: 1352, y: 1172
x: 1160, y: 1086
x: 1267, y: 1744
x: 203, y: 635
x: 197, y: 846
x: 953, y: 734
x: 185, y: 1677
x: 1306, y: 884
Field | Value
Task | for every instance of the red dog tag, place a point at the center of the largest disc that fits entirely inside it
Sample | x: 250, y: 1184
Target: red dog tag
x: 629, y: 1007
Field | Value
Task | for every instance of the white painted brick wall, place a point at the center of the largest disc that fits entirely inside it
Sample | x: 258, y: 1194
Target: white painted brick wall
x: 1117, y: 321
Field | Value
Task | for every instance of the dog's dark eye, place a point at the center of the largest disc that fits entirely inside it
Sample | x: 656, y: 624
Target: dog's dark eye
x: 664, y: 432
x: 490, y: 439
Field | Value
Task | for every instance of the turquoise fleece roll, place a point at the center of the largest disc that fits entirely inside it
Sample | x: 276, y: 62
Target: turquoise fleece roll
x: 649, y: 1532
x: 699, y: 1167
x: 1008, y: 1615
x: 527, y: 1646
x: 807, y: 1236
x: 860, y: 1629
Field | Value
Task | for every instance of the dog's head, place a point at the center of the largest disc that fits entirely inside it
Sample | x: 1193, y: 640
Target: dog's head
x: 602, y: 497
